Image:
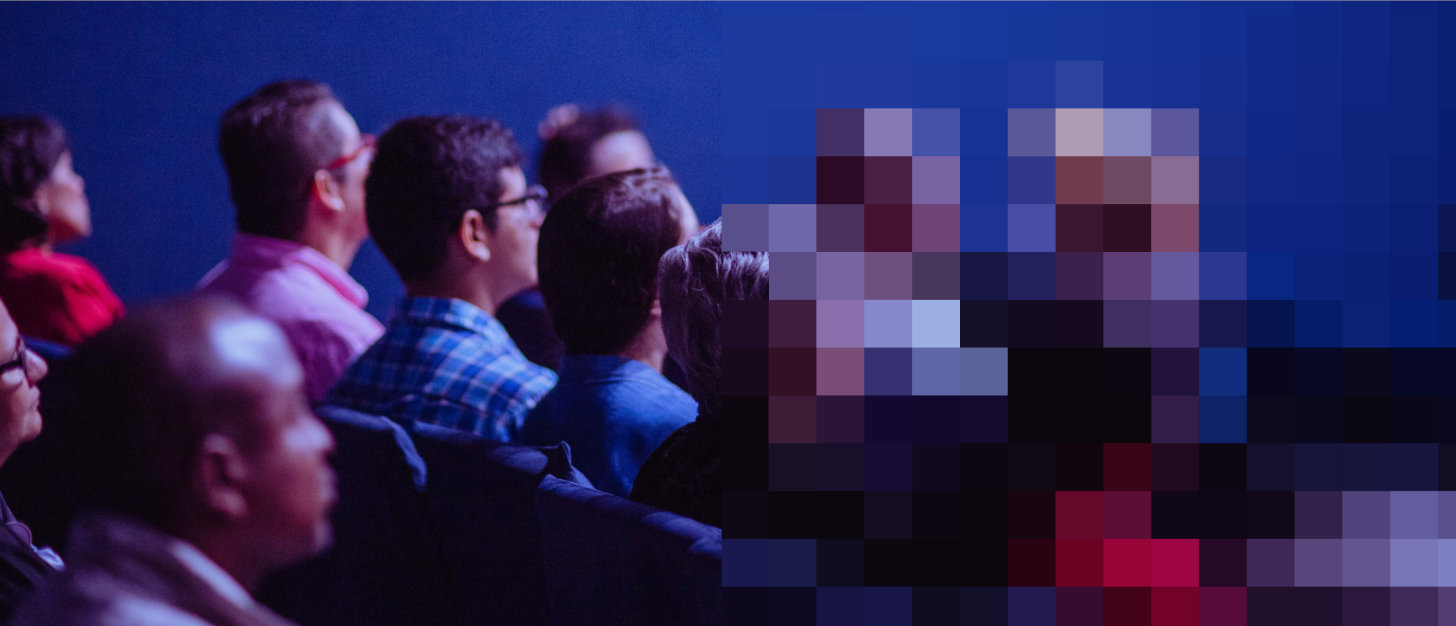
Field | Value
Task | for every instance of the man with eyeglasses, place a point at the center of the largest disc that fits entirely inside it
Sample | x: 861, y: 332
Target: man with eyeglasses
x: 22, y: 565
x: 296, y: 164
x: 450, y: 209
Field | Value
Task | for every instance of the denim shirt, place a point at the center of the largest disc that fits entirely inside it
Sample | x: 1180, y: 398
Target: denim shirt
x: 613, y: 412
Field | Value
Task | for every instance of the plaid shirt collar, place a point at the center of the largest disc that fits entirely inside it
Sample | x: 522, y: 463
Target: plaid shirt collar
x: 456, y: 314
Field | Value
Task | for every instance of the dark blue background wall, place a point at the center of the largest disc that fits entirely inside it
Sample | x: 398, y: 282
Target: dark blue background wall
x: 140, y: 88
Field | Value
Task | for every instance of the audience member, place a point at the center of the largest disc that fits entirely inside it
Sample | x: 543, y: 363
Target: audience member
x: 450, y: 210
x: 198, y: 466
x: 598, y: 256
x: 22, y: 565
x: 684, y: 475
x: 54, y: 297
x: 576, y: 145
x: 296, y: 165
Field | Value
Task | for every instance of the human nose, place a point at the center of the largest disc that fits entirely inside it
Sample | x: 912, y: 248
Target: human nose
x: 35, y: 367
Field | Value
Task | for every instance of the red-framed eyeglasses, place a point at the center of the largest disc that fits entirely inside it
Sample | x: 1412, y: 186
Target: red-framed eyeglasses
x: 366, y: 144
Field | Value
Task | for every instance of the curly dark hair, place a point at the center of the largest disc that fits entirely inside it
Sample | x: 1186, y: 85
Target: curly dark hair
x: 567, y: 148
x: 598, y: 255
x: 427, y: 173
x: 30, y: 147
x: 271, y: 143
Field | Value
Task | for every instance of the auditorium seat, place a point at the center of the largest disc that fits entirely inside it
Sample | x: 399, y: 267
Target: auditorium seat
x: 385, y: 566
x: 481, y: 495
x: 614, y: 561
x: 47, y: 350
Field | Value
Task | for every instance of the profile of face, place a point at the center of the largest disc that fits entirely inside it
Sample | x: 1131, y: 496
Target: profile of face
x: 62, y: 200
x: 290, y: 486
x: 513, y: 243
x: 353, y: 172
x: 689, y: 217
x: 19, y: 397
x: 619, y: 152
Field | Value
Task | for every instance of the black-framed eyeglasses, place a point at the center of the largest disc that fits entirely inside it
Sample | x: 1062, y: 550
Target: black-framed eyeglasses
x: 19, y: 362
x: 534, y: 201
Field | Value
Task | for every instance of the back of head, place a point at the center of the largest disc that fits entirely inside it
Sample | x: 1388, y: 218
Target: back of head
x: 152, y: 387
x: 695, y: 280
x: 427, y: 173
x: 568, y: 136
x: 272, y: 142
x: 30, y: 147
x: 598, y: 255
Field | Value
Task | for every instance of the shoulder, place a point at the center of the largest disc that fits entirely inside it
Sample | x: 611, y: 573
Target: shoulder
x: 56, y: 271
x: 92, y: 600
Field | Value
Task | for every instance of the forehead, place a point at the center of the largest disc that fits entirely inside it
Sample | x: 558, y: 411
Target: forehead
x: 513, y: 183
x: 334, y: 115
x: 8, y: 332
x: 619, y: 152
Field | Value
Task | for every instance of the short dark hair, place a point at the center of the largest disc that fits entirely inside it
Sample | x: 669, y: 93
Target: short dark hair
x: 598, y: 253
x: 271, y: 144
x: 427, y: 173
x: 566, y: 150
x: 30, y: 147
x: 147, y: 395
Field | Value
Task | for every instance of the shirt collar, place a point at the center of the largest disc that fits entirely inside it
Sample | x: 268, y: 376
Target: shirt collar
x: 594, y: 367
x: 452, y: 312
x: 250, y: 249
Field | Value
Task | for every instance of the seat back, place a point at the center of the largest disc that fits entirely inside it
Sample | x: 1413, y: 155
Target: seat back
x: 482, y: 497
x: 385, y: 565
x: 613, y: 561
x: 47, y: 350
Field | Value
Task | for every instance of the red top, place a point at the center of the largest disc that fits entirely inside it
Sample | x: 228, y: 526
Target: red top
x: 56, y: 297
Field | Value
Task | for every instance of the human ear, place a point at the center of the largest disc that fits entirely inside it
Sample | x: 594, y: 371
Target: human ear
x: 220, y: 474
x: 326, y: 190
x: 474, y: 236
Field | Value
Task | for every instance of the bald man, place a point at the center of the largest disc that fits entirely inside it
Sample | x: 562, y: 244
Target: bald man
x: 199, y: 469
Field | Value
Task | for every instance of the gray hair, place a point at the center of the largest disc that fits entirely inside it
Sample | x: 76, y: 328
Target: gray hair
x: 693, y: 281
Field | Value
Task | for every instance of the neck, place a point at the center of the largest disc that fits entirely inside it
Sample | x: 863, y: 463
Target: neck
x: 334, y: 246
x: 648, y: 346
x: 241, y: 564
x: 459, y: 286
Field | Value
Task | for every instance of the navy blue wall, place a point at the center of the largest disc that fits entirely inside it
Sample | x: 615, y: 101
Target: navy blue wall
x: 140, y: 88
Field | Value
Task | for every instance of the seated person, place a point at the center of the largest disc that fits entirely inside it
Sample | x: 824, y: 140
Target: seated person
x: 450, y: 210
x: 198, y: 466
x: 576, y: 145
x: 53, y: 297
x: 22, y: 565
x: 685, y: 475
x: 598, y: 256
x: 296, y: 164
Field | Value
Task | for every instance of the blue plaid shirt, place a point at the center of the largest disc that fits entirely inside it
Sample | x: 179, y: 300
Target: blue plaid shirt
x: 446, y: 362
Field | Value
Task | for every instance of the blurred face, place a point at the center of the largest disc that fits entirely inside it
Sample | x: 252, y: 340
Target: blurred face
x: 290, y: 487
x: 512, y: 246
x: 19, y: 397
x: 352, y: 174
x: 62, y: 199
x: 619, y: 152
